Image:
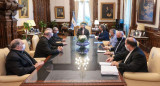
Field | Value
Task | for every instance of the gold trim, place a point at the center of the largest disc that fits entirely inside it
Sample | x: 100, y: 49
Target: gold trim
x: 113, y: 12
x: 20, y: 2
x: 55, y: 9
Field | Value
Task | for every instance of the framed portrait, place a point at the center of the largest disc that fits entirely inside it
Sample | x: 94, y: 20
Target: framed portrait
x: 107, y: 11
x: 146, y: 11
x: 59, y: 12
x: 24, y: 12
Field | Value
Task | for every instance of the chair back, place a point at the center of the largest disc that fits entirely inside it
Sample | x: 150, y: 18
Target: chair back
x: 27, y: 45
x: 89, y: 29
x: 35, y: 40
x: 76, y: 30
x: 154, y: 60
x: 3, y: 54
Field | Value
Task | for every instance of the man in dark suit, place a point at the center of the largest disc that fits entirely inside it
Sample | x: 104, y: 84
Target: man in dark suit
x: 120, y: 45
x: 104, y: 35
x: 44, y: 48
x: 83, y: 31
x: 132, y: 61
x: 55, y: 35
x: 19, y: 62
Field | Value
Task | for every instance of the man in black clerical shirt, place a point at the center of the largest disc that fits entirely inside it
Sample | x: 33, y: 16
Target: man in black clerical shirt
x: 44, y: 48
x: 133, y: 60
x: 18, y: 61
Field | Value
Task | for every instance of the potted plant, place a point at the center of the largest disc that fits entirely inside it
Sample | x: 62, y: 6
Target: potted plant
x: 26, y: 28
x: 52, y: 24
x: 42, y: 25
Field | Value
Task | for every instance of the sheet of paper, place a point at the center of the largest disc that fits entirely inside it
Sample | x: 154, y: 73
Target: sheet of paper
x: 98, y: 42
x: 105, y: 63
x: 101, y: 51
x: 96, y: 36
x: 109, y: 70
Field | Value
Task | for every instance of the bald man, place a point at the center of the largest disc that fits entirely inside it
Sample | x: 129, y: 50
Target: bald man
x: 132, y: 61
x: 44, y: 48
x: 119, y: 47
x: 18, y: 61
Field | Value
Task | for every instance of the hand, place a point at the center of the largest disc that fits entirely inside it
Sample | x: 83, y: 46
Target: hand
x: 108, y: 53
x: 64, y: 43
x: 106, y: 47
x: 38, y: 64
x: 97, y: 38
x: 60, y: 49
x: 63, y: 40
x: 115, y: 64
x: 110, y: 59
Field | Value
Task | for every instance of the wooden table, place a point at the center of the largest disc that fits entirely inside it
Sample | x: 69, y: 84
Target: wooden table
x: 75, y: 66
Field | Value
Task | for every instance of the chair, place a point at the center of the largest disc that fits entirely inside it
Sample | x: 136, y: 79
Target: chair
x: 31, y: 53
x: 8, y: 80
x: 35, y: 40
x: 151, y: 78
x: 89, y: 29
x: 76, y: 30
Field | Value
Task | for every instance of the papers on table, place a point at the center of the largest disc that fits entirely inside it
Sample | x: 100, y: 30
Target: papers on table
x: 107, y: 69
x: 101, y: 51
x: 96, y: 36
x: 98, y: 42
x: 105, y: 63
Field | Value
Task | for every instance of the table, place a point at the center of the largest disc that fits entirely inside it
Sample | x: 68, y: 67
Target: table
x: 75, y: 66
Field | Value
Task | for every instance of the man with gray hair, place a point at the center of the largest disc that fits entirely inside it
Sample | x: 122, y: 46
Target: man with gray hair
x: 55, y: 35
x: 18, y: 61
x: 44, y: 48
x: 104, y: 35
x: 120, y: 45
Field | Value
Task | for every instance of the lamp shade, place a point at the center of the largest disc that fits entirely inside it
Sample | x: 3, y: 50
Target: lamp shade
x: 31, y: 23
x: 141, y: 27
x: 96, y: 22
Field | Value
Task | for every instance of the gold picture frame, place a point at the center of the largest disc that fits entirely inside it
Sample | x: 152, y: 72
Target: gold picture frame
x: 24, y: 12
x: 59, y: 12
x: 107, y: 11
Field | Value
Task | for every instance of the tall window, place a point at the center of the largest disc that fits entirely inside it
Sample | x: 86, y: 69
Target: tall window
x: 83, y: 12
x: 127, y: 15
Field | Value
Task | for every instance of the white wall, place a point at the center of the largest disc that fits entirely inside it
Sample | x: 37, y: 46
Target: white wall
x: 22, y: 20
x: 156, y: 25
x: 66, y: 4
x: 99, y: 9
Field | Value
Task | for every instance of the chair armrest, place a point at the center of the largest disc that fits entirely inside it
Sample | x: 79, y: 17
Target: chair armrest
x: 13, y: 78
x: 142, y: 76
x: 40, y: 59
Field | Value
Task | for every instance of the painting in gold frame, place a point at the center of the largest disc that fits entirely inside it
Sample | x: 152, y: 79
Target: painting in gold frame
x: 59, y: 12
x: 107, y: 11
x: 24, y: 12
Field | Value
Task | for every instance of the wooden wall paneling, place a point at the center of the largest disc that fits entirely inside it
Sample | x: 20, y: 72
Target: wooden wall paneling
x: 41, y: 11
x: 118, y: 9
x: 8, y: 29
x: 72, y: 8
x: 133, y: 16
x: 95, y: 11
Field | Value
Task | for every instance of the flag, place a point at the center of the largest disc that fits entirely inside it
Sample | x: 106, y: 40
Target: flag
x: 73, y: 23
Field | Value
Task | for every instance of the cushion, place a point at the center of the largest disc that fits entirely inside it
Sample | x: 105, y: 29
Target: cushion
x: 35, y: 40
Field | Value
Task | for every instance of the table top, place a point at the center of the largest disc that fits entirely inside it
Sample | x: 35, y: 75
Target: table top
x: 74, y: 66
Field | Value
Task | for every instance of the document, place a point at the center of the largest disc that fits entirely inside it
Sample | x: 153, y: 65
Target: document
x: 98, y: 42
x: 109, y: 70
x: 105, y: 63
x: 101, y: 51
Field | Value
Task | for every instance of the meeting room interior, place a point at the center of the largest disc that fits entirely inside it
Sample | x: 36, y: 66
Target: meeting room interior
x: 79, y: 42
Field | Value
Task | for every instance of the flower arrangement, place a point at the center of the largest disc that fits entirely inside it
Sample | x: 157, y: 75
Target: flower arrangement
x: 65, y: 24
x: 82, y: 38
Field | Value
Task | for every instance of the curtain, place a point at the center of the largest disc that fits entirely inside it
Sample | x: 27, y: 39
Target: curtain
x: 127, y: 15
x: 83, y: 11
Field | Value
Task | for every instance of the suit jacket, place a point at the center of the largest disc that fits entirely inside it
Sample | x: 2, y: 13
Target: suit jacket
x: 86, y: 32
x: 136, y: 61
x: 44, y: 48
x: 18, y: 64
x: 53, y: 41
x: 103, y: 36
x: 56, y: 37
x: 121, y: 48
